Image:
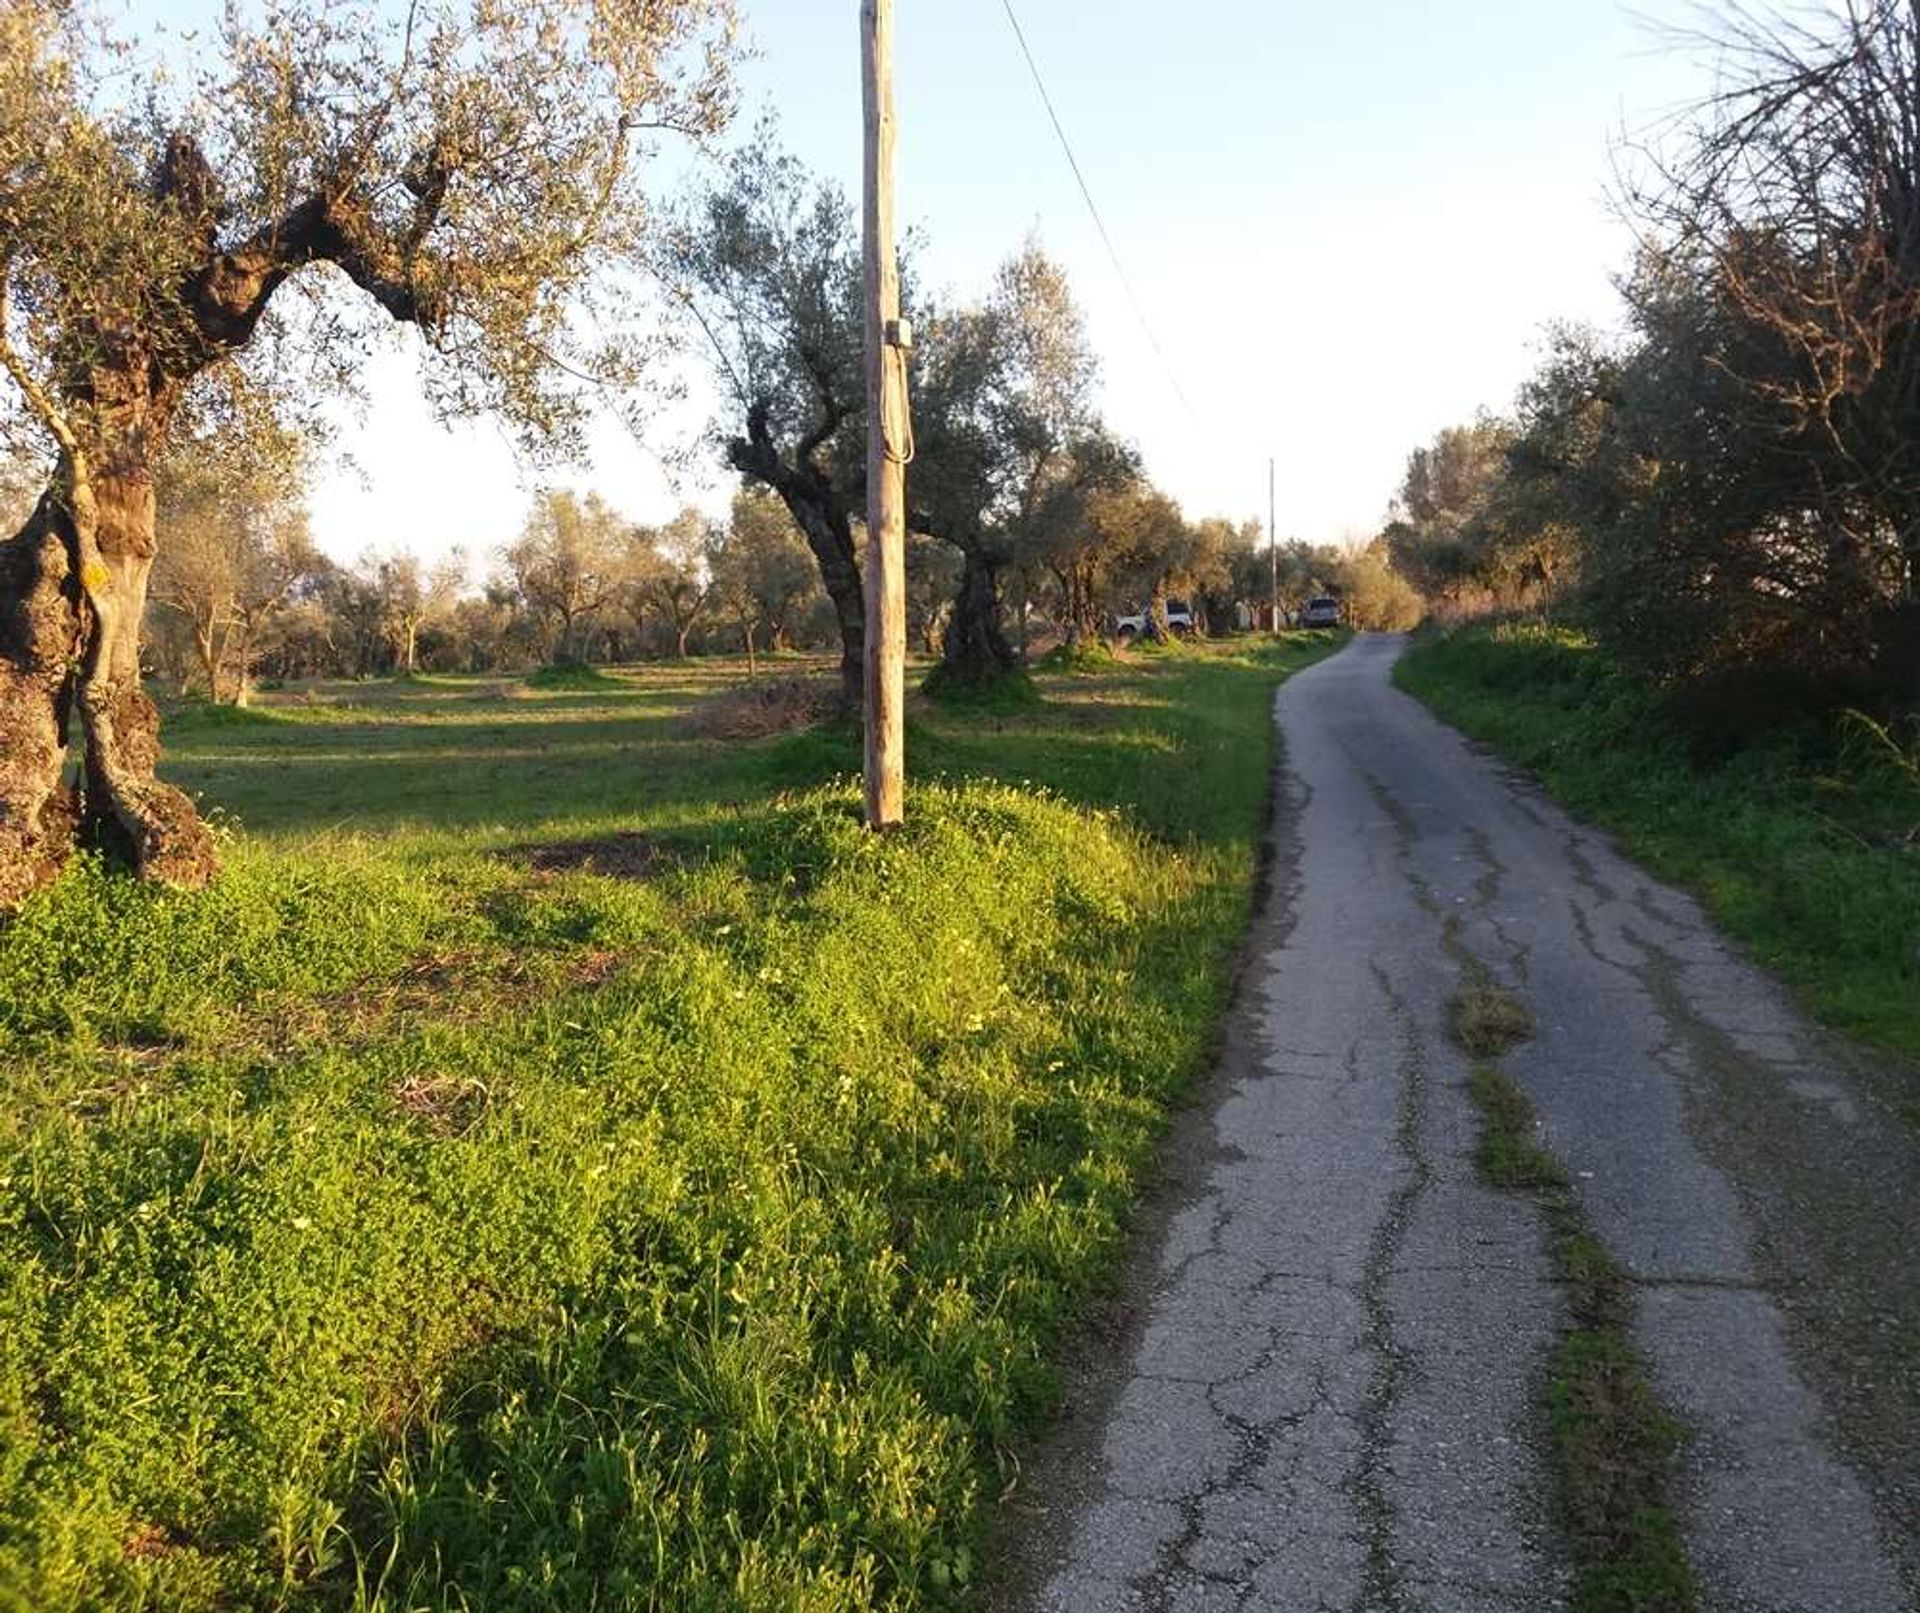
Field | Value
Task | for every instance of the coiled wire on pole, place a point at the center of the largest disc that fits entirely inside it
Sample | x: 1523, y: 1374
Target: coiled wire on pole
x: 892, y: 430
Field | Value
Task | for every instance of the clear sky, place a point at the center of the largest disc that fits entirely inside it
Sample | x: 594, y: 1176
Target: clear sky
x: 1347, y: 225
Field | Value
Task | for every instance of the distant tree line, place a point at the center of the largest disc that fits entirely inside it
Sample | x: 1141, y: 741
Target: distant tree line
x: 241, y: 595
x: 1729, y: 494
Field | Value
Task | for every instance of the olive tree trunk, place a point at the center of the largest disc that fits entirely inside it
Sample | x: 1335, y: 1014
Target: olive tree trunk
x: 73, y: 590
x: 829, y: 535
x: 1080, y: 606
x: 207, y: 648
x: 39, y: 629
x: 976, y: 651
x: 821, y: 510
x: 1156, y: 612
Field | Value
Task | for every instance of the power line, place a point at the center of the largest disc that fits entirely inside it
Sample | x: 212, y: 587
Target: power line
x: 1099, y: 223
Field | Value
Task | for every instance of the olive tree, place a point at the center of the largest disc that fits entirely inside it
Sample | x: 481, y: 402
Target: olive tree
x: 1082, y: 525
x: 1443, y: 495
x: 760, y: 564
x: 470, y: 169
x: 233, y: 510
x: 416, y: 600
x: 1148, y: 542
x: 1004, y: 392
x: 568, y: 565
x: 766, y: 265
x: 1785, y: 216
x: 672, y: 571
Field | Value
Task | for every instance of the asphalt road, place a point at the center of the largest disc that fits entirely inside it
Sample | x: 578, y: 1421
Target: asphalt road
x: 1325, y: 1392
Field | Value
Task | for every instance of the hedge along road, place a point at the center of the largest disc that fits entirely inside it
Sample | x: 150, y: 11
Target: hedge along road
x: 1332, y: 1384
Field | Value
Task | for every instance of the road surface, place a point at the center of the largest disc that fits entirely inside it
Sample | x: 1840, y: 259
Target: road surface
x: 1326, y: 1394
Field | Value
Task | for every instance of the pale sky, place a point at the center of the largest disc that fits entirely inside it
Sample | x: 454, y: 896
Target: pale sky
x: 1347, y: 225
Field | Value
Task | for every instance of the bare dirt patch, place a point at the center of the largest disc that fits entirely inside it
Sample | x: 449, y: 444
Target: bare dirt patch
x: 625, y: 854
x: 447, y: 1104
x: 148, y: 1542
x: 593, y: 968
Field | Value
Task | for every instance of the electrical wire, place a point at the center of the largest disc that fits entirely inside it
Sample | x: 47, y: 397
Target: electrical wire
x: 1099, y: 223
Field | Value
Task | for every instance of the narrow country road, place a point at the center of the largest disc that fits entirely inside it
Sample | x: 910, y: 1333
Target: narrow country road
x: 1328, y: 1394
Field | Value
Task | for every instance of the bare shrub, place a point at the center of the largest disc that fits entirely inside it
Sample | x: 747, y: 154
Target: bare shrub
x: 758, y: 710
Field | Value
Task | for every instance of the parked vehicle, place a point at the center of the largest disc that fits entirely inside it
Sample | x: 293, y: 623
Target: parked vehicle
x: 1321, y: 611
x: 1134, y: 625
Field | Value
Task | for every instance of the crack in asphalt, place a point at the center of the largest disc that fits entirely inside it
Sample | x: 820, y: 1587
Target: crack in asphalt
x: 1486, y: 892
x: 1380, y: 1592
x: 1828, y: 1223
x: 1582, y: 866
x: 1405, y: 833
x: 1589, y: 939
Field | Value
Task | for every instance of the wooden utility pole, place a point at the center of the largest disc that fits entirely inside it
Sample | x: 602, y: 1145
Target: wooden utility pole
x: 889, y: 440
x: 1273, y: 555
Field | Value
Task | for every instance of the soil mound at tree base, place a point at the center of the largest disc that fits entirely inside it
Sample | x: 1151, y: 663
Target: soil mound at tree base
x: 1012, y: 690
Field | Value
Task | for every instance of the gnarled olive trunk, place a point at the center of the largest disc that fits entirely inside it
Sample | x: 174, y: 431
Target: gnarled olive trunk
x: 1156, y: 612
x: 1080, y: 609
x: 822, y: 511
x: 39, y: 638
x: 976, y: 650
x: 833, y: 550
x: 125, y: 807
x: 73, y: 590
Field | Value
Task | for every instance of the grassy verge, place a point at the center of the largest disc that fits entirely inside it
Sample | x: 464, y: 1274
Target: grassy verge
x: 1612, y: 1448
x: 565, y: 1163
x: 1815, y: 866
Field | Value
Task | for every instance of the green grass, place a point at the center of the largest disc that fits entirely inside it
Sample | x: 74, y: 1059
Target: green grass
x: 1814, y: 864
x: 1091, y: 655
x: 398, y: 1224
x: 1003, y: 692
x: 1612, y: 1447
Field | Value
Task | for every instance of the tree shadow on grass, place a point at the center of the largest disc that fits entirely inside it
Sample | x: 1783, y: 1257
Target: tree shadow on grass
x: 296, y: 779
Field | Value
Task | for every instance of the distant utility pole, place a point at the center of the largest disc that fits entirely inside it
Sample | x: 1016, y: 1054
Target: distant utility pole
x: 889, y: 440
x: 1273, y: 553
